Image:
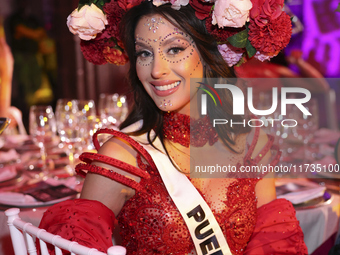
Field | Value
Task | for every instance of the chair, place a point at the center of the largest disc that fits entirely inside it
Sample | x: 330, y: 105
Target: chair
x: 23, y: 235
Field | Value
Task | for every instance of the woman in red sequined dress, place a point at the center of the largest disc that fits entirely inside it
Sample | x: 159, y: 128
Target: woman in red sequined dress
x: 167, y: 46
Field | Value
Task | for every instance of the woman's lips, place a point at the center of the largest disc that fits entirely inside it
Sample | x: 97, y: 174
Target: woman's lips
x: 164, y: 89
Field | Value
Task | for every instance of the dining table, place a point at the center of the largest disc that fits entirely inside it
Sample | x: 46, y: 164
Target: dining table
x: 27, y: 185
x: 20, y: 179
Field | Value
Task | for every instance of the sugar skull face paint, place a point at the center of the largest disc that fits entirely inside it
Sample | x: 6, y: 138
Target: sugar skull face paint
x: 166, y: 60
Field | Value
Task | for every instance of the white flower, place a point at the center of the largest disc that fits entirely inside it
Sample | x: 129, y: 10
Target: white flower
x: 159, y: 2
x: 231, y: 13
x: 87, y: 22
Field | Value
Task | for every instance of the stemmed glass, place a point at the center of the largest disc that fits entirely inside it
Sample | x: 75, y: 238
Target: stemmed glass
x: 68, y: 127
x: 42, y: 128
x: 4, y: 122
x: 75, y: 124
x: 306, y: 128
x: 112, y: 109
x: 87, y: 121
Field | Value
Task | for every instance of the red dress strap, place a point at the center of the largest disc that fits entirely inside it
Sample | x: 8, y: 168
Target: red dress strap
x: 268, y: 146
x: 88, y: 158
x: 127, y: 138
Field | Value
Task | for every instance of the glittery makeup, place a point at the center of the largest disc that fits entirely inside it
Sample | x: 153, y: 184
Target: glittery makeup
x: 165, y: 103
x: 165, y: 61
x: 153, y: 23
x: 174, y: 47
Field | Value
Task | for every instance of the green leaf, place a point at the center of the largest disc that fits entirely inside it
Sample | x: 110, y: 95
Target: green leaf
x: 241, y: 61
x: 239, y: 40
x: 251, y: 51
x: 338, y: 9
x: 83, y: 2
x: 100, y: 3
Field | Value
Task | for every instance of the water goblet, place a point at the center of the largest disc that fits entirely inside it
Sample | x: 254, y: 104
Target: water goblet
x: 42, y: 128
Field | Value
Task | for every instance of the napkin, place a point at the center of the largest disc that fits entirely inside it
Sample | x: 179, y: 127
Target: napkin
x: 298, y: 193
x: 7, y: 156
x: 7, y: 172
x: 15, y: 198
x: 69, y: 182
x: 17, y: 139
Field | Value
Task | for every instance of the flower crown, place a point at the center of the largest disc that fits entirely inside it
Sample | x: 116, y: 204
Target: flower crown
x: 242, y: 28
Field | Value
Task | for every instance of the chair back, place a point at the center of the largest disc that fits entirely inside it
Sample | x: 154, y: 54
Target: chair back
x: 23, y: 236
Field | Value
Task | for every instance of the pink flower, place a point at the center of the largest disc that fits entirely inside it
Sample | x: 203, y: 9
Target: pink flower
x: 262, y: 57
x: 231, y: 13
x: 230, y: 56
x: 87, y: 22
x: 175, y: 4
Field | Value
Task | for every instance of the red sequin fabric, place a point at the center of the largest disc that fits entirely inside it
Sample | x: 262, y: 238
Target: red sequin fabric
x: 182, y: 129
x: 151, y: 224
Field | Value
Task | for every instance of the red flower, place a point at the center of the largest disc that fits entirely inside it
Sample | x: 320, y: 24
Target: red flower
x: 264, y: 11
x: 202, y: 8
x: 132, y: 3
x: 114, y: 12
x: 273, y: 37
x: 115, y: 56
x: 220, y: 34
x: 93, y: 51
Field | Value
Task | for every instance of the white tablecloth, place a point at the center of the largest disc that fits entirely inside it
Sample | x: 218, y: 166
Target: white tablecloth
x: 320, y: 223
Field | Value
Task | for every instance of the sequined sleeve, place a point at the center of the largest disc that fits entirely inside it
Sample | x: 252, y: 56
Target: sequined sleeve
x: 88, y: 158
x: 277, y: 230
x: 87, y: 222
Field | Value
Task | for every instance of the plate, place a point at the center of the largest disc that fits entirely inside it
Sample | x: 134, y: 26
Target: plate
x: 26, y: 201
x: 17, y: 177
x: 316, y: 202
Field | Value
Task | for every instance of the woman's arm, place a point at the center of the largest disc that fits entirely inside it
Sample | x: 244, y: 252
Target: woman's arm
x: 265, y: 188
x: 6, y: 73
x: 109, y: 192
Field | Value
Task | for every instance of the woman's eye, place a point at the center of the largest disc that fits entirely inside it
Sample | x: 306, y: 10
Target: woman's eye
x: 143, y: 54
x: 175, y: 50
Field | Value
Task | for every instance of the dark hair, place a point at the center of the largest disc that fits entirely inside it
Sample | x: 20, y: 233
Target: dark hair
x: 215, y: 67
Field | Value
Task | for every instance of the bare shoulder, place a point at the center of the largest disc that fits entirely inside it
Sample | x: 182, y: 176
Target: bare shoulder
x: 111, y: 193
x: 265, y: 188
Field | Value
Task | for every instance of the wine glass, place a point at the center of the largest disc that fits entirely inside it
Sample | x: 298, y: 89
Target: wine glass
x: 306, y: 127
x: 87, y: 121
x: 4, y: 122
x: 113, y: 109
x: 75, y: 123
x: 68, y: 127
x: 42, y: 128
